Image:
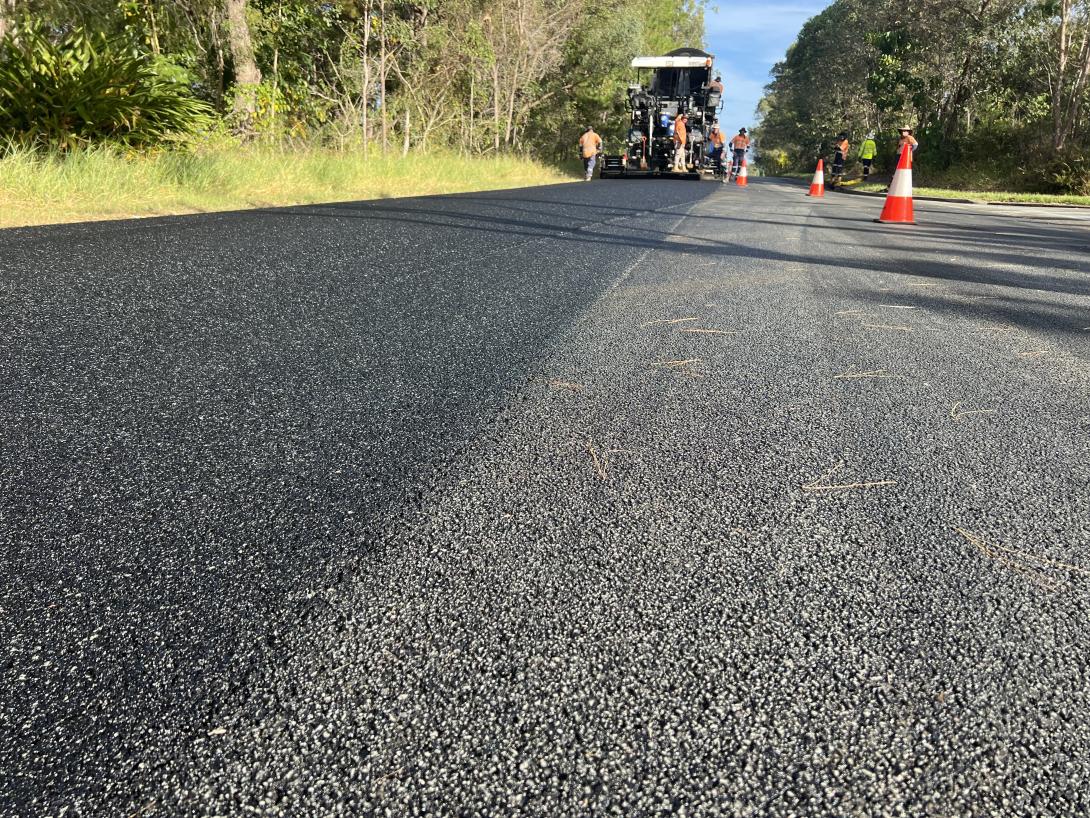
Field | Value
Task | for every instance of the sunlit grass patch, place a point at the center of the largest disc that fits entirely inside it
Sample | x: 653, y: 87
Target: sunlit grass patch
x: 106, y: 183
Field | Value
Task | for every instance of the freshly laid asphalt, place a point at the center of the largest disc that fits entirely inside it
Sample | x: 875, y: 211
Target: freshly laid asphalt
x: 625, y: 498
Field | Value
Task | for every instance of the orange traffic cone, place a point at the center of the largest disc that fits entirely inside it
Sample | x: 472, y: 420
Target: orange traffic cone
x: 817, y: 186
x: 742, y: 179
x: 898, y: 207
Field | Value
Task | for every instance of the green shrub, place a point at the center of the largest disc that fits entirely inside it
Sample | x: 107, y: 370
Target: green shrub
x: 86, y: 88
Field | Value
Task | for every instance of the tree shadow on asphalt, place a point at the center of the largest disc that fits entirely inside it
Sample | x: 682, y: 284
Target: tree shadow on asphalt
x: 649, y: 238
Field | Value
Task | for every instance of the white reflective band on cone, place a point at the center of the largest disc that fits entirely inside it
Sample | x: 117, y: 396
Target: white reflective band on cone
x: 819, y: 178
x: 901, y: 186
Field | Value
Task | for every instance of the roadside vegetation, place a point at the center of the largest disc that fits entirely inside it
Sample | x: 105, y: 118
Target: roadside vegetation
x: 983, y: 195
x: 103, y: 182
x: 126, y: 107
x: 998, y: 91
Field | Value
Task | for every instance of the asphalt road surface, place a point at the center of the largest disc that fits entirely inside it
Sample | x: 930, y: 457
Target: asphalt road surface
x: 622, y: 498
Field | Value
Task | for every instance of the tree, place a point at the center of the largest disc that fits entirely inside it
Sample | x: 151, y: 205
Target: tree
x: 247, y: 74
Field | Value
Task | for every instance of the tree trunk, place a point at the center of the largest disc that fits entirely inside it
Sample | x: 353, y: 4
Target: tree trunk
x: 405, y: 141
x: 7, y: 16
x: 366, y: 83
x: 382, y: 69
x: 247, y: 74
x: 1060, y: 85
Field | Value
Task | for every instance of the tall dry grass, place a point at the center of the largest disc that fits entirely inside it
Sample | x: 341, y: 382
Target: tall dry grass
x: 107, y: 183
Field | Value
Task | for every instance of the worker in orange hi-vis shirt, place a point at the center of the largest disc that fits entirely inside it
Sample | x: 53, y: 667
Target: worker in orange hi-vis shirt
x: 589, y: 145
x: 739, y: 144
x: 681, y: 139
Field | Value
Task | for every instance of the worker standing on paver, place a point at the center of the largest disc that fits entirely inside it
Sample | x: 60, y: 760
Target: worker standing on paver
x: 867, y: 153
x: 681, y: 137
x: 739, y: 144
x: 716, y: 143
x: 589, y: 145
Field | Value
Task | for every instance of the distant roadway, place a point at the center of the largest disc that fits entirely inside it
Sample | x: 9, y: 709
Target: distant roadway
x: 621, y: 498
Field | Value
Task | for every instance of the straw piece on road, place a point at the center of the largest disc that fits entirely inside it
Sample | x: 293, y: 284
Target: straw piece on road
x: 898, y: 327
x: 599, y: 462
x: 957, y: 414
x: 898, y: 307
x: 1030, y: 563
x: 668, y: 321
x: 574, y: 387
x: 874, y: 373
x: 815, y: 485
x: 677, y: 363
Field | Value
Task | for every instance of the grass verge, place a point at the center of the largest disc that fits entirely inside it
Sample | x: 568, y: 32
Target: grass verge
x: 982, y: 195
x: 104, y: 183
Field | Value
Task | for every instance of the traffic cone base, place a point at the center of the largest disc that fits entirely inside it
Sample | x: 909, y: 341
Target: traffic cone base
x: 898, y: 206
x: 817, y: 185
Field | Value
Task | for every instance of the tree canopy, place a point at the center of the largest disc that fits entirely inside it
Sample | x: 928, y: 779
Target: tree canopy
x: 995, y: 85
x: 476, y: 75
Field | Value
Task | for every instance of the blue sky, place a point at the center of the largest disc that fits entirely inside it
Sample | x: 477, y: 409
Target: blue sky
x: 747, y: 39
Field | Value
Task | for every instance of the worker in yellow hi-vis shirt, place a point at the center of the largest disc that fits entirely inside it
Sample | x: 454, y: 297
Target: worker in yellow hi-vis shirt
x: 867, y: 151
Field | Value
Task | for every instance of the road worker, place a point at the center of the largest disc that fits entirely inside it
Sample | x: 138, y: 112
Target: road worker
x: 739, y: 144
x: 716, y: 85
x: 681, y: 139
x: 906, y: 138
x: 716, y: 143
x: 867, y: 153
x: 841, y: 146
x: 589, y: 146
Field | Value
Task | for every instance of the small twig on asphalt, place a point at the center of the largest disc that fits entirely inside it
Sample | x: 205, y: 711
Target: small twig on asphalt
x: 677, y: 363
x: 897, y: 307
x: 668, y: 321
x: 574, y: 387
x: 710, y: 331
x: 979, y: 541
x: 599, y: 463
x: 956, y: 414
x: 814, y: 485
x: 874, y: 373
x: 143, y: 810
x: 898, y: 327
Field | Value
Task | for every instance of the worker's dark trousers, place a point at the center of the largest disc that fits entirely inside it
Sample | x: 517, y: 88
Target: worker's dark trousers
x: 739, y: 155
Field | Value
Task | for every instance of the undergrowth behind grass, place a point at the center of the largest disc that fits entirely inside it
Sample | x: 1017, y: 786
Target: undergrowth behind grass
x: 103, y: 183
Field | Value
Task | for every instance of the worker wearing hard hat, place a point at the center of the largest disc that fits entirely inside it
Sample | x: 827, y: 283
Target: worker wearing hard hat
x: 681, y: 139
x: 867, y: 152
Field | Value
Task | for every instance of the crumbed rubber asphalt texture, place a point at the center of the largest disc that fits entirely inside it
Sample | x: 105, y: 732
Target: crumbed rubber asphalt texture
x: 624, y: 498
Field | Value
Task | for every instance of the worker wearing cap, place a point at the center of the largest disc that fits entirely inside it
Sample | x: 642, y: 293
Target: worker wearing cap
x: 589, y: 145
x: 681, y: 139
x: 867, y: 152
x: 716, y: 143
x: 716, y: 85
x: 739, y: 144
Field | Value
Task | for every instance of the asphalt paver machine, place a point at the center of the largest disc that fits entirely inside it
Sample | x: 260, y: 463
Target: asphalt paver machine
x: 676, y: 83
